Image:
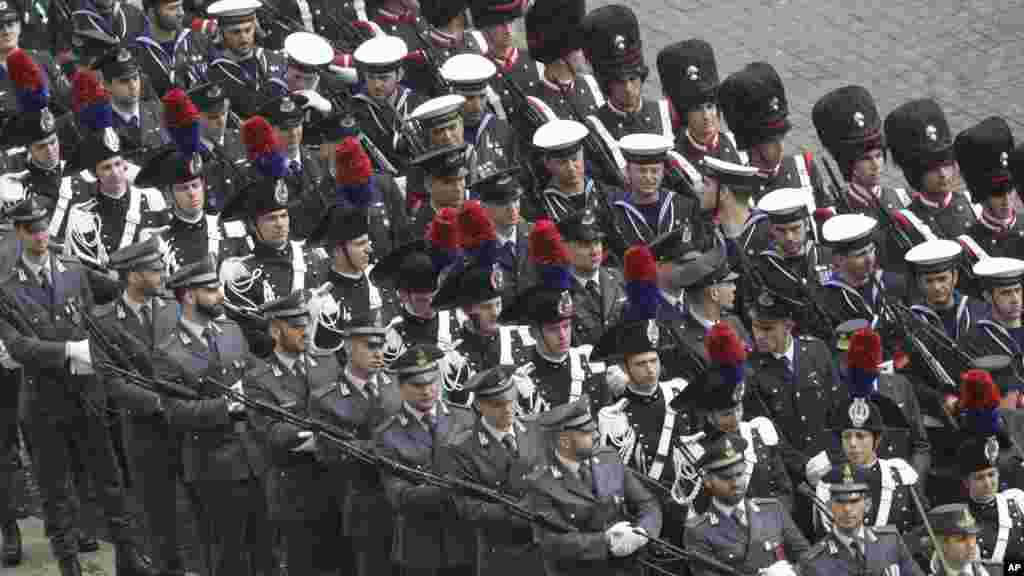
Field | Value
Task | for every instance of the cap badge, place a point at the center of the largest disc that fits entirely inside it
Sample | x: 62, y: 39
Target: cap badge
x: 727, y: 450
x: 858, y: 119
x: 693, y: 73
x: 931, y: 133
x: 565, y: 304
x: 859, y: 412
x: 992, y: 450
x: 620, y: 43
x: 110, y: 140
x: 123, y: 56
x: 214, y: 92
x: 1004, y: 159
x: 652, y: 333
x: 738, y: 392
x: 847, y: 474
x: 195, y: 164
x: 773, y: 105
x: 46, y: 121
x: 966, y: 521
x: 421, y: 358
x: 3, y: 5
x: 281, y: 192
x: 287, y: 106
x: 588, y: 218
x: 346, y: 314
x: 497, y: 278
x: 766, y: 300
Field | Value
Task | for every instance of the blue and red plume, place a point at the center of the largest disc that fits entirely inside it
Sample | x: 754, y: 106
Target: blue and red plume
x: 444, y: 238
x: 862, y: 360
x: 979, y: 402
x: 641, y: 276
x: 549, y: 254
x: 182, y: 119
x: 478, y: 234
x: 91, y: 101
x: 31, y: 92
x: 263, y: 148
x: 353, y: 173
x: 726, y: 352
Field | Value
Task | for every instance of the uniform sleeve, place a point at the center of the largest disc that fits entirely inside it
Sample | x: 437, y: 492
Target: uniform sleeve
x: 921, y: 448
x: 280, y: 436
x: 795, y: 542
x: 564, y: 549
x: 643, y: 504
x: 696, y: 540
x: 403, y: 495
x: 460, y: 465
x: 31, y: 351
x: 205, y: 414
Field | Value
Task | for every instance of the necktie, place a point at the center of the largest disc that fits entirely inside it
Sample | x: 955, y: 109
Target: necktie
x: 211, y: 342
x: 594, y: 289
x: 585, y: 475
x: 295, y: 167
x: 44, y: 279
x: 740, y: 515
x: 431, y: 423
x: 145, y: 317
x: 787, y: 369
x: 508, y: 254
x: 510, y: 444
x: 371, y: 389
x: 133, y: 121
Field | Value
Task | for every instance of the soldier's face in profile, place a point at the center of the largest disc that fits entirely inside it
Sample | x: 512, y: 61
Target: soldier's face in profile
x: 485, y: 314
x: 983, y: 485
x: 790, y: 237
x: 1000, y: 205
x: 725, y: 294
x: 941, y: 180
x: 46, y: 152
x: 568, y: 171
x: 359, y: 251
x: 728, y: 485
x: 499, y: 413
x: 587, y: 255
x: 189, y: 196
x: 860, y: 447
x: 1006, y: 304
x: 644, y: 369
x: 500, y: 38
x: 298, y: 79
x: 625, y: 94
x: 214, y: 123
x: 702, y: 123
x: 366, y: 354
x: 849, y: 514
x: 288, y: 338
x: 420, y: 394
x: 557, y: 337
x: 240, y: 38
x: 419, y: 303
x: 645, y: 181
x: 504, y: 215
x: 938, y: 288
x: 959, y: 548
x: 771, y: 336
x: 272, y: 227
x: 867, y: 171
x: 767, y: 154
x: 9, y: 34
x: 170, y: 15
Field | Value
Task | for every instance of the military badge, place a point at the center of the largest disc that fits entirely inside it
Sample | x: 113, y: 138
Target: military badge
x: 281, y: 193
x: 653, y: 334
x: 497, y: 278
x: 214, y: 92
x: 847, y: 474
x: 588, y: 218
x: 123, y: 56
x: 1004, y: 159
x: 46, y: 121
x: 421, y: 358
x: 3, y: 5
x: 858, y: 119
x: 859, y: 412
x: 565, y: 304
x: 774, y: 104
x: 766, y: 300
x: 195, y: 164
x: 693, y: 73
x: 966, y: 521
x: 992, y: 450
x: 110, y: 140
x: 620, y: 43
x: 728, y: 451
x: 287, y: 105
x: 931, y: 133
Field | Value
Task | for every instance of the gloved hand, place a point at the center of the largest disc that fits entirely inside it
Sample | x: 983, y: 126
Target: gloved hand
x: 235, y: 407
x: 780, y: 568
x: 78, y: 350
x: 816, y: 468
x: 316, y: 101
x: 5, y: 358
x: 614, y: 537
x: 633, y: 539
x: 524, y: 384
x: 308, y: 442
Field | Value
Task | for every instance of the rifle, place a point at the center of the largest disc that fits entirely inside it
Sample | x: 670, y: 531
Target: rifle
x: 595, y: 151
x: 431, y: 60
x: 352, y: 34
x: 841, y: 198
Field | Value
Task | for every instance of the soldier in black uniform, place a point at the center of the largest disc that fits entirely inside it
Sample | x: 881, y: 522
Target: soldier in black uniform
x: 597, y: 290
x: 565, y: 187
x: 500, y: 196
x: 122, y: 21
x: 852, y: 547
x: 936, y: 268
x: 547, y: 308
x: 436, y: 35
x: 749, y: 534
x: 445, y: 187
x: 244, y: 70
x: 224, y: 154
x: 222, y: 462
x: 725, y: 205
x: 168, y: 50
x: 308, y: 74
x: 137, y: 119
x: 850, y: 128
x: 427, y: 540
x: 1000, y: 332
x: 957, y: 532
x: 589, y: 487
x: 921, y: 144
x: 297, y: 487
x: 64, y: 402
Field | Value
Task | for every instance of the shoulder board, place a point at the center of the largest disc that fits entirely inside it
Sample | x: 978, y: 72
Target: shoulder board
x: 698, y: 520
x: 234, y: 229
x: 537, y: 473
x: 766, y: 430
x: 105, y: 309
x: 87, y: 176
x: 890, y: 529
x: 387, y: 422
x: 320, y: 253
x: 908, y: 476
x: 258, y: 368
x: 154, y: 199
x: 395, y: 322
x: 606, y: 453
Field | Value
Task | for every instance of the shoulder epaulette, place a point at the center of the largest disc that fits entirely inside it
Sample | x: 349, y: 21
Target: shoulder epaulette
x: 104, y: 309
x: 698, y: 520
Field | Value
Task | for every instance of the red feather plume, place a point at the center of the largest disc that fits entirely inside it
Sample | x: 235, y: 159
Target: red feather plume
x: 639, y: 265
x: 258, y: 137
x: 978, y: 391
x: 86, y: 90
x: 23, y: 70
x: 351, y: 163
x: 724, y: 346
x: 179, y: 110
x: 546, y: 246
x: 444, y: 230
x: 865, y: 351
x: 475, y: 226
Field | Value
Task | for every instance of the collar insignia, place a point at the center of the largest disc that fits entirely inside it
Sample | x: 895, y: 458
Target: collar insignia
x: 773, y: 105
x: 565, y: 304
x: 966, y: 521
x: 931, y: 133
x: 992, y: 449
x: 859, y: 412
x: 620, y: 43
x: 693, y: 73
x: 110, y: 140
x: 858, y: 119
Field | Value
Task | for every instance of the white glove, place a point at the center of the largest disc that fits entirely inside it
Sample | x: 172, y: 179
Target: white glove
x: 234, y: 407
x: 79, y: 356
x: 525, y: 385
x: 616, y: 378
x: 633, y: 540
x: 308, y: 442
x: 5, y: 358
x: 816, y: 468
x: 615, y: 537
x: 316, y: 101
x: 780, y: 568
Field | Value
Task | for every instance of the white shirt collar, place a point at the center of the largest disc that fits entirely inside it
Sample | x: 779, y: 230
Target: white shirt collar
x: 357, y: 382
x: 195, y: 328
x: 287, y: 360
x: 571, y: 466
x: 136, y: 307
x: 36, y: 267
x: 845, y: 540
x: 723, y: 508
x: 127, y: 115
x: 503, y: 239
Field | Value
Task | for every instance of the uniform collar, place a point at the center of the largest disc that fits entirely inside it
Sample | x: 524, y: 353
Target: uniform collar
x: 136, y: 307
x: 498, y: 435
x: 417, y: 415
x: 789, y: 353
x: 569, y: 465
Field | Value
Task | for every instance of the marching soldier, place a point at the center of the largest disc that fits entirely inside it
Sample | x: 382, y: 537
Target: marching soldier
x: 221, y: 460
x: 621, y: 77
x: 749, y: 534
x: 499, y: 451
x: 361, y: 400
x: 861, y: 424
x: 493, y: 39
x: 647, y: 210
x: 10, y: 42
x: 709, y: 295
x: 589, y: 488
x: 136, y: 119
x: 439, y: 33
x: 440, y: 125
x: 445, y: 187
x: 921, y: 144
x: 754, y: 103
x: 726, y: 205
x: 500, y: 196
x: 163, y: 68
x: 61, y: 395
x: 180, y: 173
x: 427, y: 540
x: 122, y: 21
x: 287, y: 378
x: 224, y: 153
x: 1000, y: 332
x: 689, y: 79
x: 597, y: 290
x: 957, y: 533
x: 852, y: 547
x: 565, y: 188
x: 935, y: 265
x: 547, y: 308
x: 493, y: 145
x: 244, y: 70
x: 306, y: 73
x: 793, y: 249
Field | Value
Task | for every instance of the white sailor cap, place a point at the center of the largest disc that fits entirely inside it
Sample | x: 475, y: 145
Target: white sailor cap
x: 468, y: 73
x: 934, y: 255
x: 784, y: 205
x: 438, y: 111
x: 381, y: 53
x: 999, y: 271
x: 729, y: 173
x: 229, y: 12
x: 848, y: 233
x: 642, y: 148
x: 560, y: 137
x: 308, y: 50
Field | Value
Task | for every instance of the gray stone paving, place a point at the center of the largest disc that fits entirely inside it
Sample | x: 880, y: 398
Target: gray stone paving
x: 968, y: 55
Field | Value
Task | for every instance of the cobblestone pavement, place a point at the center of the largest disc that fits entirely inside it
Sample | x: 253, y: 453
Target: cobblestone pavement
x: 966, y: 54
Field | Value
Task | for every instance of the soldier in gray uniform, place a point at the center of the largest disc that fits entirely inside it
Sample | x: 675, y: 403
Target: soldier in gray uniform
x: 62, y: 397
x: 427, y: 540
x: 297, y: 487
x: 851, y: 547
x: 749, y: 534
x: 223, y: 465
x: 444, y: 187
x: 499, y: 451
x: 589, y: 488
x: 597, y: 289
x: 921, y: 144
x: 957, y: 533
